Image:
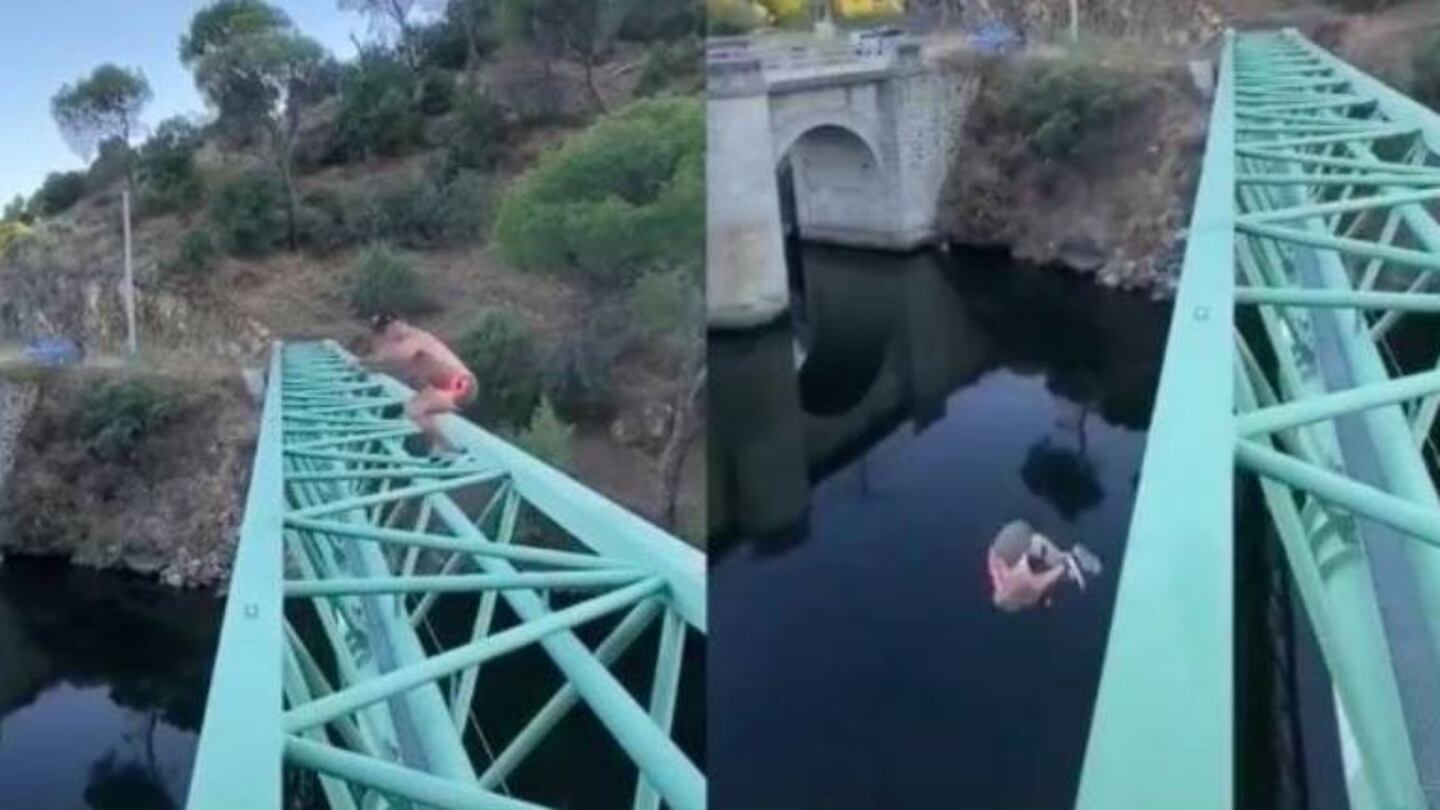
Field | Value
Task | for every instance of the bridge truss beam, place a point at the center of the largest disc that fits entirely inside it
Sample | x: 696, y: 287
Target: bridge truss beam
x: 337, y: 669
x: 1317, y: 198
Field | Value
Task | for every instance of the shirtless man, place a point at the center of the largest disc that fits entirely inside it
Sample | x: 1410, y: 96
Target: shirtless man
x: 1013, y: 559
x: 445, y: 385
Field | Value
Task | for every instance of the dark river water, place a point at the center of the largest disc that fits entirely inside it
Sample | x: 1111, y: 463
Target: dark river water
x: 861, y: 460
x: 102, y: 687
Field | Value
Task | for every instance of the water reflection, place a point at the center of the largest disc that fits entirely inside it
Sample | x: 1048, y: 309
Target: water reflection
x: 102, y: 687
x: 861, y: 462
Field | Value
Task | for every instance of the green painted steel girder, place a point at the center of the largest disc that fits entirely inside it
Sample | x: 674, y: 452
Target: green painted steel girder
x: 376, y: 538
x: 1298, y: 201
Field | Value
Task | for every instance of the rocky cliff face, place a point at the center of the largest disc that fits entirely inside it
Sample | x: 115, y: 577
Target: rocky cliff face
x: 67, y: 281
x: 170, y: 509
x: 17, y: 398
x: 1170, y: 22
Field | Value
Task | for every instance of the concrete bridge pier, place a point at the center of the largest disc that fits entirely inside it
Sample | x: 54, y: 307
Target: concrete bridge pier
x: 744, y: 243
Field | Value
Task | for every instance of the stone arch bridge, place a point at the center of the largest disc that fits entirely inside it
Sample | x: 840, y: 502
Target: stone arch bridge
x: 862, y: 135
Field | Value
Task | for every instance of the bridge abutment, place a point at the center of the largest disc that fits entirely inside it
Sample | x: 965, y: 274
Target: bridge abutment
x: 744, y: 244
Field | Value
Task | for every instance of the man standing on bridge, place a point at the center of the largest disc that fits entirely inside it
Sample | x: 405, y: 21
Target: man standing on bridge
x: 444, y: 384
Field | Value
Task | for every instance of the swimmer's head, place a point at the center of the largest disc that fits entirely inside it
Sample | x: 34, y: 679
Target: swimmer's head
x: 383, y: 322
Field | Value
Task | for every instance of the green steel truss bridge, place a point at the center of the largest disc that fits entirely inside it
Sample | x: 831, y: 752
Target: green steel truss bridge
x: 348, y: 534
x: 1313, y: 244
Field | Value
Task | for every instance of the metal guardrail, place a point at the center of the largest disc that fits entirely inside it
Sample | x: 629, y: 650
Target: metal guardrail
x: 1317, y: 195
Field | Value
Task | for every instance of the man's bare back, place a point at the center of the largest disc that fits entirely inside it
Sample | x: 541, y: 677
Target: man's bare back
x: 445, y: 384
x: 418, y: 356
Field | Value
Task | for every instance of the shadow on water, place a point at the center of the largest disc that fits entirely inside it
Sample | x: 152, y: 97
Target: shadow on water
x: 103, y: 679
x: 860, y: 462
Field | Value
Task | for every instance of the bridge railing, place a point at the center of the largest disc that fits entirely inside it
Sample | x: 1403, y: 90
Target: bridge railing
x: 1318, y: 193
x: 1162, y: 730
x: 378, y: 542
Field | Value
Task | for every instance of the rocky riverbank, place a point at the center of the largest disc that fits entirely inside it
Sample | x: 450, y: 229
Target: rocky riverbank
x: 1084, y: 160
x: 167, y: 506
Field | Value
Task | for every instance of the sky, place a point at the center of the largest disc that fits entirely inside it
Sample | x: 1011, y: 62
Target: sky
x: 46, y: 43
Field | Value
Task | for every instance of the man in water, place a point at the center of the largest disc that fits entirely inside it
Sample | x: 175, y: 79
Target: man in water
x: 1025, y: 566
x: 444, y: 384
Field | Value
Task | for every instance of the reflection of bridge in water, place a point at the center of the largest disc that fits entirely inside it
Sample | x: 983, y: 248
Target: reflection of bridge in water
x: 882, y: 341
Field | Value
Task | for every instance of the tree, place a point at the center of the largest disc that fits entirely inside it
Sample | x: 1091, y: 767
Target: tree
x: 166, y: 166
x: 477, y: 19
x: 218, y: 25
x: 396, y: 13
x: 275, y: 72
x: 583, y: 29
x: 15, y: 210
x: 214, y: 29
x: 102, y: 106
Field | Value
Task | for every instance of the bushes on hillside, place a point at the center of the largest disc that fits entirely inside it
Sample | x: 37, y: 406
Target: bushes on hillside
x: 661, y: 20
x: 476, y: 135
x: 578, y: 372
x: 420, y: 212
x: 59, y: 191
x: 12, y: 231
x: 547, y: 437
x: 672, y: 66
x: 386, y: 281
x: 667, y: 303
x: 436, y: 92
x: 377, y: 109
x: 501, y: 352
x: 166, y: 167
x: 1057, y: 104
x: 1426, y: 85
x: 111, y: 163
x: 194, y: 257
x: 113, y: 419
x: 625, y: 196
x: 248, y: 214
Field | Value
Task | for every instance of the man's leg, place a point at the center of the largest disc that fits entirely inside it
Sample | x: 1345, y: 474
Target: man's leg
x: 423, y: 408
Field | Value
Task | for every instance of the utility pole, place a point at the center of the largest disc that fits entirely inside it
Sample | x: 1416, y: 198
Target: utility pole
x: 1074, y: 21
x: 132, y: 342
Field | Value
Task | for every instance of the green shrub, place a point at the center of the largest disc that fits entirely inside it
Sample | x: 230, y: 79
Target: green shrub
x: 420, y: 212
x: 166, y: 167
x: 248, y: 214
x: 732, y: 17
x: 477, y: 133
x: 407, y: 211
x: 1057, y: 104
x: 111, y: 163
x: 674, y: 67
x: 323, y: 223
x: 467, y: 202
x: 114, y: 419
x: 194, y: 257
x: 1426, y: 84
x: 625, y: 196
x: 579, y: 371
x: 547, y: 437
x: 58, y: 193
x: 661, y: 20
x: 501, y: 352
x: 436, y: 92
x: 385, y: 281
x: 666, y: 302
x: 377, y: 110
x: 442, y: 45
